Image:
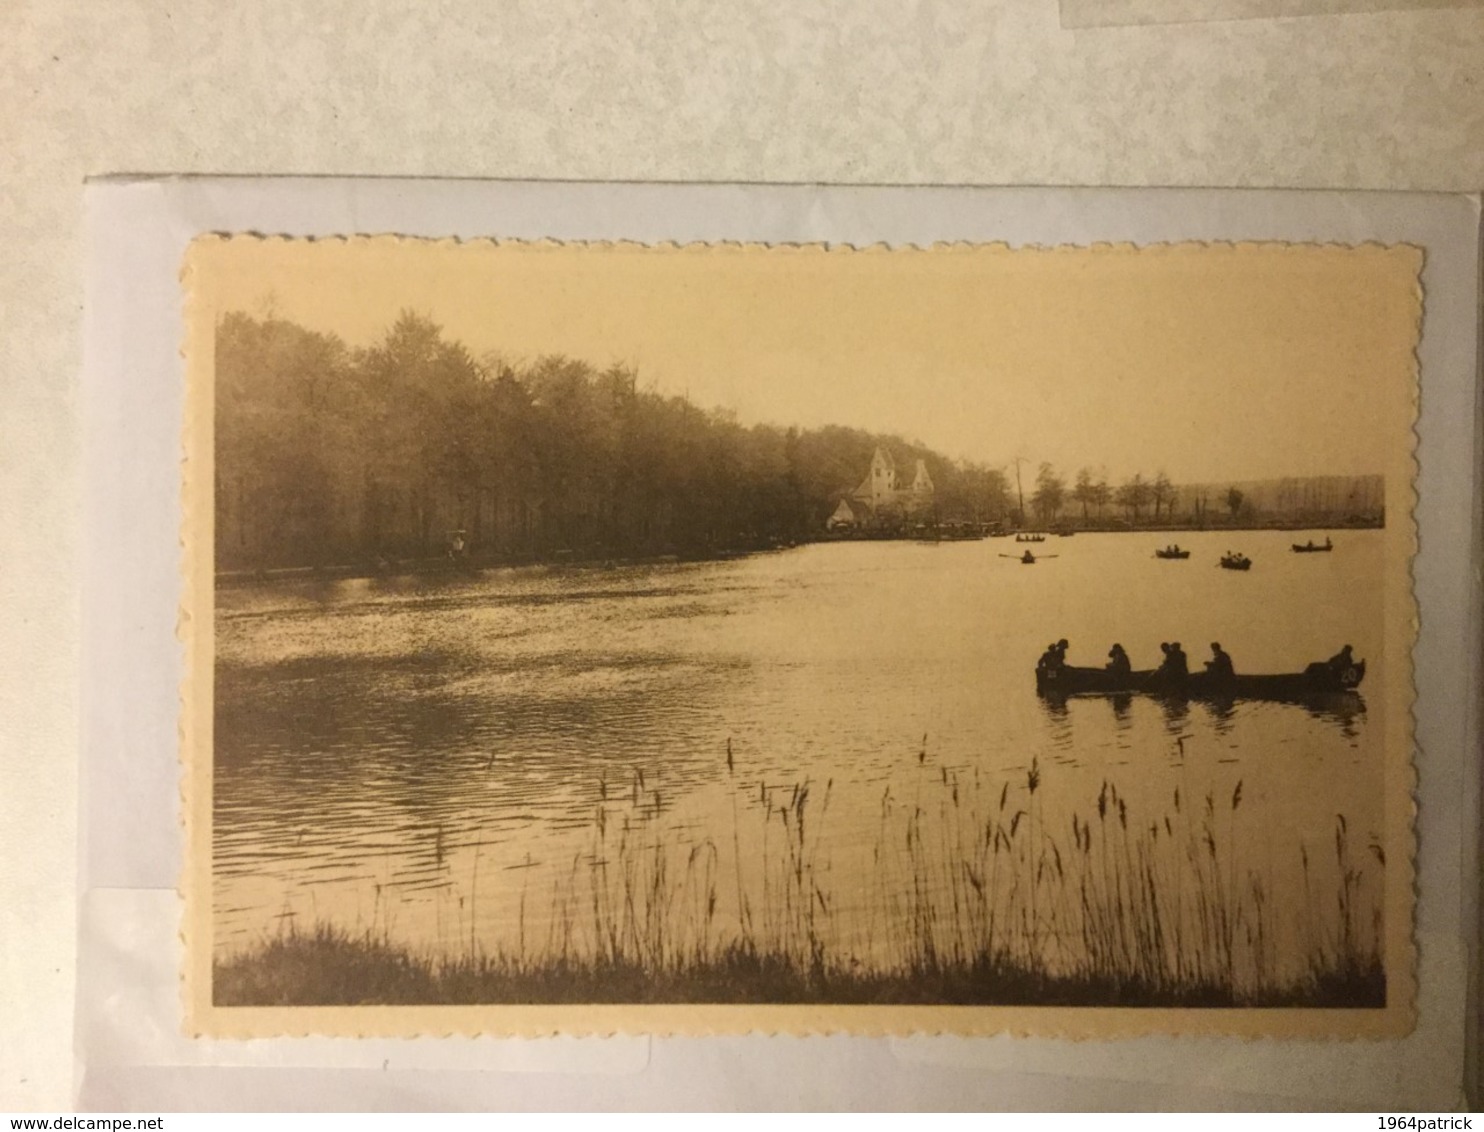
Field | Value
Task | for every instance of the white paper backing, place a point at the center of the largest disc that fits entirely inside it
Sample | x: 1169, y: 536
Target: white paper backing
x: 130, y: 1051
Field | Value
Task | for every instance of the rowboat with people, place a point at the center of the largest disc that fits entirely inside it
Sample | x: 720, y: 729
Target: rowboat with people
x: 1312, y: 547
x: 1340, y: 675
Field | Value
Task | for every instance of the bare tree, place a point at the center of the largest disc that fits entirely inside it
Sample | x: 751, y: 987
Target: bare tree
x: 1234, y: 500
x: 1085, y: 493
x: 1161, y: 491
x: 1050, y: 493
x: 1102, y: 494
x: 1019, y: 493
x: 1133, y: 495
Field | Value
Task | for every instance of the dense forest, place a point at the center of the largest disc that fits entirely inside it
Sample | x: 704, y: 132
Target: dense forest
x: 327, y: 455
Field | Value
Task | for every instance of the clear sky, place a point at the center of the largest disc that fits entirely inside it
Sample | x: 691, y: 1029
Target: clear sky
x: 1209, y: 363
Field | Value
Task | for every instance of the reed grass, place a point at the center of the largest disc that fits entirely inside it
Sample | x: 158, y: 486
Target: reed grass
x: 981, y: 893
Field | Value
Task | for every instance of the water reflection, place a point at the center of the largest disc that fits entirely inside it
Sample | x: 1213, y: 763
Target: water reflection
x: 1058, y: 722
x: 1345, y: 711
x: 1222, y: 713
x: 385, y: 747
x: 1176, y: 711
x: 1341, y: 711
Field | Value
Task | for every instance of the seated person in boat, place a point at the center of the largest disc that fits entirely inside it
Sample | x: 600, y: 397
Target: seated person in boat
x: 1220, y: 664
x: 1055, y: 655
x: 1049, y: 659
x: 1027, y: 557
x: 1118, y: 662
x: 1342, y: 660
x: 1174, y: 665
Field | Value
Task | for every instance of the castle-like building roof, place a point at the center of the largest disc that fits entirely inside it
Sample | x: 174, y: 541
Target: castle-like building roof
x: 883, y: 485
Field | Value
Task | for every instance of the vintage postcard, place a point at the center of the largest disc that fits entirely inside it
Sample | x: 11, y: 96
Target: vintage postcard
x: 602, y: 637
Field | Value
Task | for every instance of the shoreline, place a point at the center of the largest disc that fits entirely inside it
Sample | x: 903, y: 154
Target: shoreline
x: 478, y: 564
x: 473, y: 564
x: 326, y: 966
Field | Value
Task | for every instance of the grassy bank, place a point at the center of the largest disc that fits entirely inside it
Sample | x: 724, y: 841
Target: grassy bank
x: 979, y: 893
x: 329, y: 967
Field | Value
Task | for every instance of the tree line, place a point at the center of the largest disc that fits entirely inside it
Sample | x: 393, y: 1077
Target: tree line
x: 1091, y: 500
x: 1091, y: 495
x: 327, y: 454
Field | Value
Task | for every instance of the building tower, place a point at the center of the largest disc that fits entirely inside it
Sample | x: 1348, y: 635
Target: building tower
x: 922, y: 483
x: 881, y: 481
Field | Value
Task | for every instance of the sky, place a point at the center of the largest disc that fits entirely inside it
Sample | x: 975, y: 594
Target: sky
x: 1205, y: 362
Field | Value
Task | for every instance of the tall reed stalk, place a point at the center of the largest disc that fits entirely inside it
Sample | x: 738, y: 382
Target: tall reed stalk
x: 974, y: 896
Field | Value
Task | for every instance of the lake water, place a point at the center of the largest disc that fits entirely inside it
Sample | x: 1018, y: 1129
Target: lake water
x: 428, y: 756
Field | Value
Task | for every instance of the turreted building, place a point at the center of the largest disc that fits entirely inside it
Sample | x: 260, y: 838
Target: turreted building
x: 883, y: 496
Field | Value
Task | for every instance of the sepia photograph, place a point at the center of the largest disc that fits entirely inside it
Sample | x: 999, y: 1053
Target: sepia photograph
x: 832, y: 638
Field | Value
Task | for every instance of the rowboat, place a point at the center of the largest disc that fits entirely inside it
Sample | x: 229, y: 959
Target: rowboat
x: 1235, y: 562
x: 1172, y: 554
x: 1317, y: 681
x: 1312, y: 547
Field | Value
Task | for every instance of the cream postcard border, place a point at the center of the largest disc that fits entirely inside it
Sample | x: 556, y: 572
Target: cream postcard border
x: 542, y: 1020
